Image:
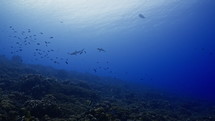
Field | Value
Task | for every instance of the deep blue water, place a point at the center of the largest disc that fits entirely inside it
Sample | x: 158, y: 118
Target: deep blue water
x: 172, y: 47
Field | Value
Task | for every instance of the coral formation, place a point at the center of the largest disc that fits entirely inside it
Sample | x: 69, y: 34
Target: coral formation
x: 36, y: 93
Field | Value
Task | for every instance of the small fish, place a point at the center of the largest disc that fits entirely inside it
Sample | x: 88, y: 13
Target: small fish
x: 74, y: 53
x: 211, y: 53
x: 23, y: 32
x: 47, y: 42
x: 141, y: 16
x: 100, y: 49
x: 78, y: 52
x: 51, y: 37
x: 95, y: 70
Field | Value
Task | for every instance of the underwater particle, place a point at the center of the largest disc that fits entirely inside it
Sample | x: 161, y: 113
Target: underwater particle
x: 38, y: 43
x: 141, y: 16
x: 41, y: 33
x: 11, y: 26
x: 20, y: 49
x: 202, y: 49
x: 51, y: 37
x: 66, y: 62
x: 106, y: 68
x: 61, y: 21
x: 210, y: 53
x: 100, y: 49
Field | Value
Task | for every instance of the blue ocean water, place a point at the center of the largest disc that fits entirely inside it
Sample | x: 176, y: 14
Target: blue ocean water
x: 168, y: 45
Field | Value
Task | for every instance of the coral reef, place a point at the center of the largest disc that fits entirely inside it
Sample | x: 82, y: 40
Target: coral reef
x: 37, y: 93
